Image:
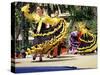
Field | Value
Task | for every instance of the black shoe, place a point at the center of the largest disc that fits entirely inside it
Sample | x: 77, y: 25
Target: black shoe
x: 34, y: 58
x: 75, y: 53
x: 40, y: 60
x: 48, y: 56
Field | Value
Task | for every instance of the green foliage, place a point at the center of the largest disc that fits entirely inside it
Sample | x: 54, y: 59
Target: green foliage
x: 80, y: 13
x: 17, y: 17
x: 92, y: 25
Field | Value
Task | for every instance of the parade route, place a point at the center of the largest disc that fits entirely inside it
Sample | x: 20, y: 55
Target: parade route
x: 80, y: 61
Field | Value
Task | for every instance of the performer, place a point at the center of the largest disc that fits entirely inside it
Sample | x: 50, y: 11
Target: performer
x: 44, y: 23
x: 86, y: 39
x: 73, y: 41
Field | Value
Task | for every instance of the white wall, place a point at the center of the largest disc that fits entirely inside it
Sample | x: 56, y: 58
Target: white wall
x: 5, y: 36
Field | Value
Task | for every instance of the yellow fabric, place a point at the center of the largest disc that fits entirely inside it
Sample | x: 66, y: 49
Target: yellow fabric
x: 39, y: 26
x: 49, y: 33
x: 51, y: 44
x: 45, y: 18
x: 25, y: 8
x: 39, y: 19
x: 51, y: 21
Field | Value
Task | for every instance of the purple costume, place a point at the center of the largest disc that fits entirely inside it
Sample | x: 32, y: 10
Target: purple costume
x: 73, y: 41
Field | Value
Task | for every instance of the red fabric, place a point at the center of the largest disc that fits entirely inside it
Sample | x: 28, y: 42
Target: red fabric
x: 64, y: 51
x: 79, y: 35
x: 55, y: 51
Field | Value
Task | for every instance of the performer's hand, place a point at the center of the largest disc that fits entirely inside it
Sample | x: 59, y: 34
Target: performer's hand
x: 47, y: 25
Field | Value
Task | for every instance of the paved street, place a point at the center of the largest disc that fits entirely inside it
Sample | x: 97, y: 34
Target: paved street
x: 80, y: 61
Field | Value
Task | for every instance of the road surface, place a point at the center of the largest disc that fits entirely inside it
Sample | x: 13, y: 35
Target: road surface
x: 80, y: 61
